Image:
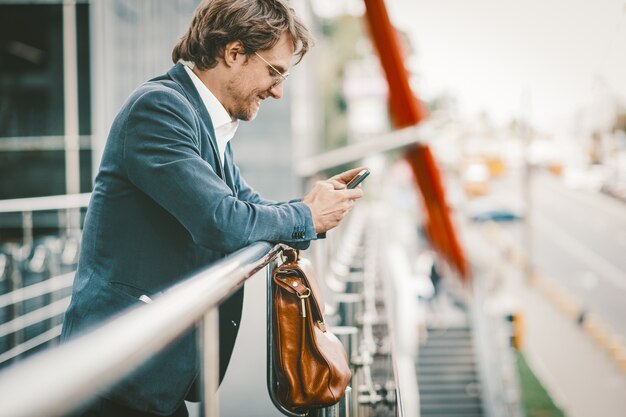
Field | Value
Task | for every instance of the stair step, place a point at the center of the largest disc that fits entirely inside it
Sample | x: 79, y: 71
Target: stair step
x: 443, y: 378
x: 446, y: 352
x: 446, y: 360
x: 450, y: 340
x: 446, y: 396
x: 450, y: 407
x: 471, y: 388
x: 452, y: 332
x: 442, y: 363
x: 455, y: 414
x: 446, y: 369
x: 459, y: 326
x: 470, y: 403
x: 439, y: 341
x: 446, y: 378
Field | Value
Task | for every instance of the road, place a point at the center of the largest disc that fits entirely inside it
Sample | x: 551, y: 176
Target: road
x: 578, y: 240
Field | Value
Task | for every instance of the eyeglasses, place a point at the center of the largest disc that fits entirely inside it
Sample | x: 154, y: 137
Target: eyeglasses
x: 279, y: 77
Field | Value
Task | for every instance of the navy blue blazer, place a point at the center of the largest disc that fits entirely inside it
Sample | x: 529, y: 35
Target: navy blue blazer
x: 163, y: 206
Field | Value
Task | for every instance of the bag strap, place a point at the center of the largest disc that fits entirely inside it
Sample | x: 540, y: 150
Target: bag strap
x: 290, y: 280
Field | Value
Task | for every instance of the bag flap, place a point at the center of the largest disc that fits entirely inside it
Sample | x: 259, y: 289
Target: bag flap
x: 296, y: 277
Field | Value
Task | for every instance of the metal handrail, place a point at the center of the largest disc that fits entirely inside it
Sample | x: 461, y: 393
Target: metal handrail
x: 38, y: 340
x: 71, y: 203
x: 53, y: 202
x: 36, y: 316
x: 397, y: 139
x: 48, y: 286
x: 40, y: 143
x: 97, y: 360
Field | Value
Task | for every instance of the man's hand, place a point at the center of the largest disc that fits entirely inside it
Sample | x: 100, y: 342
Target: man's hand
x: 330, y: 201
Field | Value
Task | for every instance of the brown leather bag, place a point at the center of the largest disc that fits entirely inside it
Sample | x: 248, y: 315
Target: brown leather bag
x: 311, y: 363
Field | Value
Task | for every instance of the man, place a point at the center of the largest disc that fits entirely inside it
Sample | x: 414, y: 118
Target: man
x: 169, y: 198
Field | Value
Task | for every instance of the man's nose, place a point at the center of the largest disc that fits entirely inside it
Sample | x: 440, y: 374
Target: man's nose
x: 277, y: 91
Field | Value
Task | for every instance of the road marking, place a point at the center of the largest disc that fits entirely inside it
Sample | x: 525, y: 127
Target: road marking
x: 605, y: 268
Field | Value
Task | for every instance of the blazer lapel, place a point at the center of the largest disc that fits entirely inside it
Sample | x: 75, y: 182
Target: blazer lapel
x: 180, y: 76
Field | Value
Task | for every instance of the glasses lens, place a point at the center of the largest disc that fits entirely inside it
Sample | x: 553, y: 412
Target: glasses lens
x: 279, y: 77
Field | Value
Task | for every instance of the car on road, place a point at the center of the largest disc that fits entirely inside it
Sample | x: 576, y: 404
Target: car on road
x: 491, y: 210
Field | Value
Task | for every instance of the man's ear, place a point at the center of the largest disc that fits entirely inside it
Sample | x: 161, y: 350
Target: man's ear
x: 234, y: 53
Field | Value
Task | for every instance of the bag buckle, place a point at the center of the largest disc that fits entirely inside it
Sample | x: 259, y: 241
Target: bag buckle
x: 303, y: 297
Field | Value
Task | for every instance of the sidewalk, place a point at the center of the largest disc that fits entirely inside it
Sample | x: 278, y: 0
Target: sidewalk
x: 579, y: 376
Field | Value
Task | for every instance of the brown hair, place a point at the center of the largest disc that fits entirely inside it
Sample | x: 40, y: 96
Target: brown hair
x: 258, y: 24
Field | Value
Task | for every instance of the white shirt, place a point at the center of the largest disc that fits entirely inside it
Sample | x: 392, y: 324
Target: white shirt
x: 225, y: 127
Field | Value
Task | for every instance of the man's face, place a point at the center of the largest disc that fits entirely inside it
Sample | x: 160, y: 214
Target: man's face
x: 255, y: 81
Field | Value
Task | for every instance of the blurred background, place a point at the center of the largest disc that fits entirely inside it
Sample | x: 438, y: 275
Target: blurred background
x: 523, y: 107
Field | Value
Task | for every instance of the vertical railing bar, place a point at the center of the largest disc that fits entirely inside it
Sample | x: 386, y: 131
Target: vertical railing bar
x: 70, y: 95
x: 27, y: 228
x: 209, y: 334
x: 71, y: 121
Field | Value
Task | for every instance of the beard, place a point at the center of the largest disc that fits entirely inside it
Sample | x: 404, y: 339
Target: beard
x: 247, y: 110
x: 245, y: 105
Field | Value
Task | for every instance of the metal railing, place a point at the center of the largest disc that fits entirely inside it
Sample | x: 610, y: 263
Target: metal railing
x: 360, y: 150
x: 67, y: 206
x: 92, y: 363
x: 34, y: 279
x: 95, y: 361
x: 496, y: 359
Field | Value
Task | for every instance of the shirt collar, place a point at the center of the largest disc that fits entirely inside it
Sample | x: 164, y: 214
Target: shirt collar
x: 225, y: 127
x: 219, y: 115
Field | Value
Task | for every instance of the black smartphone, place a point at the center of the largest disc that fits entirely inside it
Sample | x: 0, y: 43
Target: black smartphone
x: 358, y: 178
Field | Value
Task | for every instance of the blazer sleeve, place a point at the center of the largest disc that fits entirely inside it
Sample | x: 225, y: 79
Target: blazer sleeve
x: 162, y: 158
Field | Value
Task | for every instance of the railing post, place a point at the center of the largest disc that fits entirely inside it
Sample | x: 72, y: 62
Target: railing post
x: 209, y: 349
x: 27, y: 228
x: 345, y: 405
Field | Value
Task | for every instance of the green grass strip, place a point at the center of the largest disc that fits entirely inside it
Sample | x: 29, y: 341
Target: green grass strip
x: 536, y: 401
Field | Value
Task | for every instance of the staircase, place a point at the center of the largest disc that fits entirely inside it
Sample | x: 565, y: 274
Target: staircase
x: 447, y: 374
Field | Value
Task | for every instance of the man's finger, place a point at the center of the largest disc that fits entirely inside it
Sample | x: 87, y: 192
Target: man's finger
x: 346, y: 176
x: 327, y: 185
x: 352, y: 194
x: 338, y: 185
